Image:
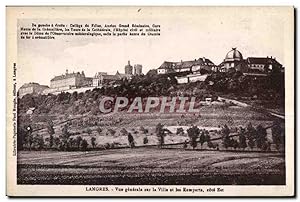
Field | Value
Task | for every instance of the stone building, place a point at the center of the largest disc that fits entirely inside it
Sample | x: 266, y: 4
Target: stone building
x: 102, y: 78
x: 69, y: 81
x: 263, y: 64
x: 128, y: 68
x: 200, y: 65
x: 234, y: 62
x: 31, y: 88
x: 138, y: 69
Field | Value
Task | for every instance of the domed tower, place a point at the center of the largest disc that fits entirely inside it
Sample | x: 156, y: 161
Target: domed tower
x: 233, y: 56
x: 234, y: 59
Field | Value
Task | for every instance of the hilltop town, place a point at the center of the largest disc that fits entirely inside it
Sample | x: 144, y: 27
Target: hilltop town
x: 240, y: 116
x: 183, y: 71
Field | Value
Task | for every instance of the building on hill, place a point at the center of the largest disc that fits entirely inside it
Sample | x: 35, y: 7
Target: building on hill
x: 166, y: 67
x: 138, y: 69
x: 102, y: 78
x: 128, y: 68
x: 263, y: 64
x: 121, y: 76
x: 96, y: 79
x: 234, y: 62
x: 201, y: 65
x: 69, y: 81
x: 31, y: 88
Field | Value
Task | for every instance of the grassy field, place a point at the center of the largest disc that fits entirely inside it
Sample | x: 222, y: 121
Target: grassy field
x: 148, y: 166
x: 210, y: 117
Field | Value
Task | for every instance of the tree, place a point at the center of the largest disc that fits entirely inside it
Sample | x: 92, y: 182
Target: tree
x: 261, y: 137
x: 185, y: 144
x: 99, y: 130
x: 202, y: 138
x: 277, y: 134
x: 39, y: 141
x: 21, y: 138
x: 111, y: 131
x: 242, y: 140
x: 180, y: 131
x: 193, y: 134
x: 251, y: 143
x: 207, y: 137
x: 78, y: 141
x: 145, y: 140
x: 65, y: 136
x: 251, y: 135
x: 88, y: 131
x: 29, y: 137
x: 161, y: 134
x: 56, y: 142
x: 130, y: 140
x: 250, y: 131
x: 226, y: 141
x: 123, y: 131
x: 84, y: 145
x: 51, y: 132
x: 142, y: 129
x: 72, y: 143
x: 225, y: 131
x: 93, y: 142
x: 235, y: 144
x: 211, y: 145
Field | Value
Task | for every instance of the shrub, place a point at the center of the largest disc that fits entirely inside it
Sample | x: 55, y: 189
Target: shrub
x: 193, y: 134
x: 145, y: 140
x: 84, y: 145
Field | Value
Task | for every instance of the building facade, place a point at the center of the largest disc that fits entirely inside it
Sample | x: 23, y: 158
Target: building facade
x: 102, y: 78
x: 263, y: 64
x: 69, y: 81
x: 138, y: 69
x: 201, y: 65
x: 128, y: 68
x: 234, y: 62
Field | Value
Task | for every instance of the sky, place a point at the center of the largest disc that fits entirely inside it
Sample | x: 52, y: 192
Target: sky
x: 185, y: 35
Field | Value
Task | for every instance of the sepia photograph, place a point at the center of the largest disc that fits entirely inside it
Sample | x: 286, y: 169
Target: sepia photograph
x: 182, y: 101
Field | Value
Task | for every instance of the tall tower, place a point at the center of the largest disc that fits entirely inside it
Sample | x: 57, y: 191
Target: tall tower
x: 138, y: 69
x: 128, y: 68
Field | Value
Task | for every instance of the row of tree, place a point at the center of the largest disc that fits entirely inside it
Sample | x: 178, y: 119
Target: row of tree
x: 245, y: 137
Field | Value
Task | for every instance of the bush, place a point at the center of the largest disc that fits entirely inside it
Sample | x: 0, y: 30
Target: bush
x: 93, y: 142
x: 84, y: 145
x: 130, y: 140
x: 193, y: 134
x: 145, y: 140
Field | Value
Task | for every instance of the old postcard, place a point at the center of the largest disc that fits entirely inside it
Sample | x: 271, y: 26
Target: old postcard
x: 150, y: 101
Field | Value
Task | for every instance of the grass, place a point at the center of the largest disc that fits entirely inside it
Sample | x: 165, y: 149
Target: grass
x: 150, y: 166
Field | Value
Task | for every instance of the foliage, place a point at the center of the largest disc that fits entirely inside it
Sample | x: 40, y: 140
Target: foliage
x: 193, y: 134
x: 180, y: 131
x: 93, y: 142
x: 242, y: 139
x: 277, y: 135
x: 161, y: 133
x: 130, y: 140
x: 84, y: 145
x: 261, y: 137
x: 145, y: 140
